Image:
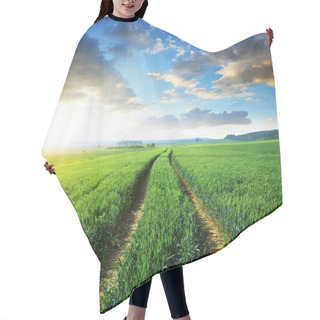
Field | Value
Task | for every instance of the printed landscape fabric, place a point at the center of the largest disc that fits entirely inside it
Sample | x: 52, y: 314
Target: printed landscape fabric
x: 167, y: 152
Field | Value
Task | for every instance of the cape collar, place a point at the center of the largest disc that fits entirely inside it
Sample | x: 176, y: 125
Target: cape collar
x: 113, y: 17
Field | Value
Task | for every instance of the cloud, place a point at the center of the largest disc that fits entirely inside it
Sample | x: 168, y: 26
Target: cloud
x: 157, y: 47
x: 131, y: 35
x: 196, y: 118
x: 177, y: 80
x: 252, y: 99
x: 180, y: 49
x: 87, y: 83
x: 204, y: 93
x: 174, y: 96
x: 241, y: 65
x: 270, y: 120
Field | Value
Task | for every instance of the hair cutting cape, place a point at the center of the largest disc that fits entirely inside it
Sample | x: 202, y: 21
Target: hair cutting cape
x: 167, y: 152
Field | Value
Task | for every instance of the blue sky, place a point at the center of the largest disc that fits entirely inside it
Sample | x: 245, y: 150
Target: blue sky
x: 131, y: 80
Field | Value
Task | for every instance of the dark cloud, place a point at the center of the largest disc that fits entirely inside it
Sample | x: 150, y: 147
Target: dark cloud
x: 242, y: 65
x: 196, y: 118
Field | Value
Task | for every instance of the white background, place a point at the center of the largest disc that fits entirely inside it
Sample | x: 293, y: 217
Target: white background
x: 48, y: 269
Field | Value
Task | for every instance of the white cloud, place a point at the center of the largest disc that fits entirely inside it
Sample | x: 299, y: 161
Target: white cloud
x: 174, y: 96
x: 177, y: 80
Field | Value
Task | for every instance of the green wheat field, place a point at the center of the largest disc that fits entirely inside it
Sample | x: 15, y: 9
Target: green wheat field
x: 146, y: 210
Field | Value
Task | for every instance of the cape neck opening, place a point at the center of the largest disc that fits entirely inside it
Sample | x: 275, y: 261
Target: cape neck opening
x: 113, y: 17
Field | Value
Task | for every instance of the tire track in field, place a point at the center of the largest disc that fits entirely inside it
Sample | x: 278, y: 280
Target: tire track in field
x: 126, y: 229
x: 209, y: 227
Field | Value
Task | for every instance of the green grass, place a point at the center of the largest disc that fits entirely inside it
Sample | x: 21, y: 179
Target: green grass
x: 238, y: 184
